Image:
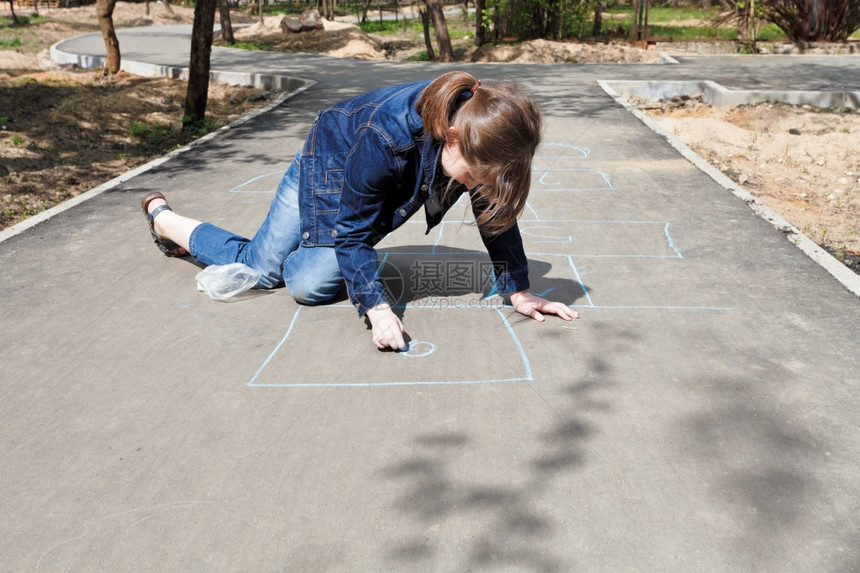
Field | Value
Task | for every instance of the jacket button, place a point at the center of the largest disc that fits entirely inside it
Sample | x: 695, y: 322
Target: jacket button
x: 334, y: 232
x: 403, y: 212
x: 306, y: 235
x: 425, y: 187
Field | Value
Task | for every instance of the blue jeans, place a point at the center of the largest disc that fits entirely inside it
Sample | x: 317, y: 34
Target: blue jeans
x: 311, y: 274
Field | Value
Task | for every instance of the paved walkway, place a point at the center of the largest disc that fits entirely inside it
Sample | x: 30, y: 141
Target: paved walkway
x: 702, y: 415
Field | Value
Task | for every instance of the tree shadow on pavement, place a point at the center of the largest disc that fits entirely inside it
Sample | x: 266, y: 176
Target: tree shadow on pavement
x: 509, y: 512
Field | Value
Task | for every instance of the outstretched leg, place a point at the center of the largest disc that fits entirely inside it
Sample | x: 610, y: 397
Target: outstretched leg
x: 168, y: 226
x: 277, y: 238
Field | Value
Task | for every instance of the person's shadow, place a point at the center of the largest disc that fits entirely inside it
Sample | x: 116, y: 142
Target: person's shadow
x: 415, y: 272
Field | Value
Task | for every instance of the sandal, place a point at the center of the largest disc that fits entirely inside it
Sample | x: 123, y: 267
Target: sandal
x: 168, y: 247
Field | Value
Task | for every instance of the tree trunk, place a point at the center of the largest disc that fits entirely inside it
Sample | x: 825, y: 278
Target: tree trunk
x: 104, y: 12
x: 425, y: 23
x: 260, y: 8
x: 597, y: 29
x: 496, y: 20
x: 226, y: 23
x: 12, y: 8
x: 634, y: 31
x: 554, y: 26
x: 146, y: 3
x: 443, y: 40
x: 167, y: 6
x: 198, y: 70
x: 479, y: 23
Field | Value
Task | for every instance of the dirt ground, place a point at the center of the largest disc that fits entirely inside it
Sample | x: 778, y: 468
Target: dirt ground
x: 803, y: 163
x: 342, y: 40
x: 64, y: 131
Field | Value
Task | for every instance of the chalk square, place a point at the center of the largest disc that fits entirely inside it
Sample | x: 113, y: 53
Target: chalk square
x: 559, y: 178
x: 635, y: 239
x: 671, y: 284
x: 449, y: 346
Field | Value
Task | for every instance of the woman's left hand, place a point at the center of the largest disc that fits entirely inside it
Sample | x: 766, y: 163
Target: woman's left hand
x: 534, y: 306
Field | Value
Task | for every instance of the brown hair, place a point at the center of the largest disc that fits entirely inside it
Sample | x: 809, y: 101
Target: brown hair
x: 497, y: 129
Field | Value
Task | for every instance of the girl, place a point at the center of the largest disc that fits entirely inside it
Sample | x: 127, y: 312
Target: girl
x: 368, y: 165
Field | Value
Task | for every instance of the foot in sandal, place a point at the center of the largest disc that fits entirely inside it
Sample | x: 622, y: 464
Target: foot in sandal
x: 168, y: 247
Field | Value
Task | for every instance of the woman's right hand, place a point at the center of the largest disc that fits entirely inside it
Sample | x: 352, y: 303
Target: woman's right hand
x: 387, y: 328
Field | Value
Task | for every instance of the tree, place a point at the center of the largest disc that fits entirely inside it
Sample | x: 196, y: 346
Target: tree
x: 226, y: 23
x: 197, y: 93
x: 440, y: 27
x: 425, y: 23
x: 640, y: 20
x: 800, y: 20
x: 749, y: 23
x: 479, y: 23
x: 12, y: 8
x: 104, y: 12
x: 530, y: 19
x: 814, y: 20
x: 328, y: 9
x: 363, y: 7
x: 599, y: 7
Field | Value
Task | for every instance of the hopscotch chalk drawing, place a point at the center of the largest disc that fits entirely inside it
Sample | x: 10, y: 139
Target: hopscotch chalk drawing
x: 265, y: 184
x: 351, y: 361
x: 558, y: 250
x: 556, y: 168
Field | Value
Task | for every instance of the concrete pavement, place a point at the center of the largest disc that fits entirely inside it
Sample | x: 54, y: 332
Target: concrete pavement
x: 702, y: 415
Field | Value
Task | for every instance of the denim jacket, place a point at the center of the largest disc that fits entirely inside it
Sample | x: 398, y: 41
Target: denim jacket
x: 367, y: 166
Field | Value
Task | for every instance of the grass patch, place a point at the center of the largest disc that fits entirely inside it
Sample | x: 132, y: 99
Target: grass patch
x: 156, y: 139
x: 419, y: 57
x: 23, y: 36
x: 659, y: 14
x: 9, y: 42
x: 690, y: 33
x: 391, y: 27
x: 152, y: 134
x: 249, y: 46
x: 770, y: 33
x: 6, y: 22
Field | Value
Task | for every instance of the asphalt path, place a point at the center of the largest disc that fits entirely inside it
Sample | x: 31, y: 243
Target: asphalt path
x: 702, y: 415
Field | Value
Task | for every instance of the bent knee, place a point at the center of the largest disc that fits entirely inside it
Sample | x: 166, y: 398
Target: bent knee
x: 312, y: 294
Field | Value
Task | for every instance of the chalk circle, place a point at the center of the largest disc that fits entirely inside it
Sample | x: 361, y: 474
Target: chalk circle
x: 419, y: 349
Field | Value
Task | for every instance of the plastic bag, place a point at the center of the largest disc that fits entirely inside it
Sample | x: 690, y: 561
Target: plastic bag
x: 221, y: 282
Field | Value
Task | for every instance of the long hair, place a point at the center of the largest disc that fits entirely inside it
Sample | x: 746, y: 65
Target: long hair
x: 498, y: 129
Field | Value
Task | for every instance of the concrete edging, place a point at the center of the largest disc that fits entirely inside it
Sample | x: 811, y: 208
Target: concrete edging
x: 719, y: 97
x: 840, y: 272
x: 265, y: 81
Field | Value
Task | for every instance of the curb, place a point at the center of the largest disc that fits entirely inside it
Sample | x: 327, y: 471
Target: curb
x: 265, y: 81
x: 840, y: 272
x: 720, y: 97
